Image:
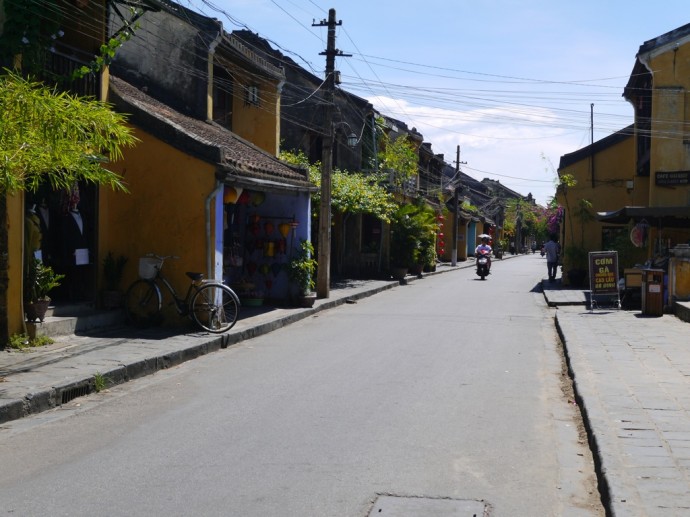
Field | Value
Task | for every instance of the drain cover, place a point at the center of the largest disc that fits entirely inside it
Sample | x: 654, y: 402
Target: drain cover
x: 394, y: 506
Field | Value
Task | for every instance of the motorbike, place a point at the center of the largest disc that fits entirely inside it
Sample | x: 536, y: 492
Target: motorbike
x: 483, y: 264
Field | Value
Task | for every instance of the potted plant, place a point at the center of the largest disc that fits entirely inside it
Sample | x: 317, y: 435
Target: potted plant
x: 301, y: 270
x: 40, y: 280
x: 113, y: 269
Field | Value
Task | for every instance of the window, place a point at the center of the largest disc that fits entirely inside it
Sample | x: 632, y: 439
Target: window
x: 251, y: 96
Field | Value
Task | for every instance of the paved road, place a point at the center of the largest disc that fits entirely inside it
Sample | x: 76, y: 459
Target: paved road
x: 630, y: 371
x: 448, y: 389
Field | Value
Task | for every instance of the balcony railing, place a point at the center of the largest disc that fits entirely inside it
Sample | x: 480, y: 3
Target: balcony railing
x: 59, y: 65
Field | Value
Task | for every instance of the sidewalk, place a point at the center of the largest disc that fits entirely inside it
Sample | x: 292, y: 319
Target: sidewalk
x: 631, y: 374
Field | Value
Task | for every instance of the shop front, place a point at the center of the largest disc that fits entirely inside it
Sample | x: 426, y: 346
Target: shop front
x: 60, y: 232
x: 262, y: 229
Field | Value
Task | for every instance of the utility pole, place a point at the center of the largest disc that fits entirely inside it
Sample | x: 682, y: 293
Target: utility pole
x: 323, y: 276
x: 456, y: 202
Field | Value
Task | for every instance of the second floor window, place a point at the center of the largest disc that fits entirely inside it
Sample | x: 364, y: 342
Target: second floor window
x: 251, y: 95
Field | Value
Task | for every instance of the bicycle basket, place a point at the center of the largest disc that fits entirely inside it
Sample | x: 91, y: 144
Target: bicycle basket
x: 148, y: 266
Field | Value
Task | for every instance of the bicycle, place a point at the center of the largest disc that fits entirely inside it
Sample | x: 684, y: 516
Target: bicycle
x: 212, y: 305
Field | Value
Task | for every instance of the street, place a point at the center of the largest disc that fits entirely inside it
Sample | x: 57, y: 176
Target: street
x: 449, y: 388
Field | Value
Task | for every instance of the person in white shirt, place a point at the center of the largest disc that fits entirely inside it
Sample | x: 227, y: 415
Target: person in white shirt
x: 484, y: 247
x: 553, y: 251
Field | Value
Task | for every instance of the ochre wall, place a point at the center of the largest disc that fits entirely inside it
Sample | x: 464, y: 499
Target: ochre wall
x: 257, y: 124
x: 164, y: 212
x: 613, y: 168
x: 670, y: 112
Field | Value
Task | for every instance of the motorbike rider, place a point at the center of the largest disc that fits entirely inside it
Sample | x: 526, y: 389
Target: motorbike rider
x: 484, y: 248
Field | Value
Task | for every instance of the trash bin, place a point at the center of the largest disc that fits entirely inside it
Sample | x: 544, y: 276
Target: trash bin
x: 653, y: 292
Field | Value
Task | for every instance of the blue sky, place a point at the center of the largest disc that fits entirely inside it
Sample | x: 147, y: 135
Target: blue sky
x: 512, y: 82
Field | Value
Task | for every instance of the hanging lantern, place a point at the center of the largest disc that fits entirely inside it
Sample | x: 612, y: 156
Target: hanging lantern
x: 244, y: 198
x: 269, y: 227
x: 284, y: 229
x: 231, y: 194
x: 258, y: 198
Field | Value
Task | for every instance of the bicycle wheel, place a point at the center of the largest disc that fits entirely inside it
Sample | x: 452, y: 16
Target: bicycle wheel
x: 143, y: 303
x: 215, y: 308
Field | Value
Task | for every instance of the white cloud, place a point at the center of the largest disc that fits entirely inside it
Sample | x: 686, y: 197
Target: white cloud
x: 501, y: 143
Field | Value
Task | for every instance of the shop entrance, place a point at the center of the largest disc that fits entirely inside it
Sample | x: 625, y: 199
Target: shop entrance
x: 68, y: 239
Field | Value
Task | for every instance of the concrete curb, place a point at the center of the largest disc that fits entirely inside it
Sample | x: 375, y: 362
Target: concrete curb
x: 587, y: 413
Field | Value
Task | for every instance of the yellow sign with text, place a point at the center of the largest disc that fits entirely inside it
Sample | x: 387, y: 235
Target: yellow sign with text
x: 603, y: 272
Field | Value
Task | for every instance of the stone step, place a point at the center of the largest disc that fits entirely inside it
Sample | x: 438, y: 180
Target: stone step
x: 76, y: 322
x: 682, y: 310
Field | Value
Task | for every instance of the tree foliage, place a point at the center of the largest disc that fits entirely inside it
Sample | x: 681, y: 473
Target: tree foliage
x: 56, y: 138
x: 397, y: 157
x: 351, y: 192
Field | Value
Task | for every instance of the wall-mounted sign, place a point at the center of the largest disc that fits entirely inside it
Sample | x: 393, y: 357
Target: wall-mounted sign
x: 672, y: 179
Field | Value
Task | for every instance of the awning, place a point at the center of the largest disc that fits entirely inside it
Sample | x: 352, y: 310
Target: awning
x: 659, y: 216
x: 267, y: 185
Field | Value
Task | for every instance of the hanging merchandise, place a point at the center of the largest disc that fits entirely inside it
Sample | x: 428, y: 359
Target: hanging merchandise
x: 257, y: 198
x: 284, y: 229
x: 244, y: 198
x: 231, y: 195
x: 269, y: 249
x: 268, y: 228
x: 235, y: 255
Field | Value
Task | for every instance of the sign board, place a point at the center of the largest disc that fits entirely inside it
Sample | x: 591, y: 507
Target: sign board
x: 672, y: 179
x: 603, y: 272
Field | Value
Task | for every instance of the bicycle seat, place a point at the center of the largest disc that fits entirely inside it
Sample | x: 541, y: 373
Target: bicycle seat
x: 195, y: 276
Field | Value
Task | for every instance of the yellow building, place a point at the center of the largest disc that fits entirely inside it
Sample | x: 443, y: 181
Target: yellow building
x: 648, y: 191
x: 595, y: 179
x: 184, y: 178
x: 196, y: 189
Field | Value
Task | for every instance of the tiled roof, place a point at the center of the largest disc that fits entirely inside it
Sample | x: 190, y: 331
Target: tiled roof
x: 208, y: 141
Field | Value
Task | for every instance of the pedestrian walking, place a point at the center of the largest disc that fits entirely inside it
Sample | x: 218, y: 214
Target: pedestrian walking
x: 553, y: 251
